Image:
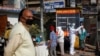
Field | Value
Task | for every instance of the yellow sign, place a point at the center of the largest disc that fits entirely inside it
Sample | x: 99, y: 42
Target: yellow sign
x: 67, y: 11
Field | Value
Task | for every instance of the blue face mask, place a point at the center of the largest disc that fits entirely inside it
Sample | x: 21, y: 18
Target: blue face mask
x: 29, y: 21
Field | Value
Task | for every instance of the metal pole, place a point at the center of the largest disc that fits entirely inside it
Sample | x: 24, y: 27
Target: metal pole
x: 97, y: 41
x: 27, y: 4
x: 41, y: 10
x: 67, y: 24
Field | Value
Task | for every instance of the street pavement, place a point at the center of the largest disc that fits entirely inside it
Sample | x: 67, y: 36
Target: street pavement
x: 89, y: 51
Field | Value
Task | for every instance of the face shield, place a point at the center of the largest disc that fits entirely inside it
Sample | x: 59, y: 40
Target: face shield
x: 58, y: 29
x: 73, y: 25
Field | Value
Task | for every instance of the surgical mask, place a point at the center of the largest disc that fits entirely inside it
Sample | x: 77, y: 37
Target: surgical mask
x: 29, y: 21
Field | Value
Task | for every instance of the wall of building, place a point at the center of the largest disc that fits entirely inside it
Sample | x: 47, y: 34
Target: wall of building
x: 19, y: 3
x: 12, y: 18
x: 14, y: 3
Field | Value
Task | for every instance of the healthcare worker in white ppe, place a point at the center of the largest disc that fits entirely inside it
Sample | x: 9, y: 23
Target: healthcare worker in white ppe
x: 72, y: 36
x: 60, y: 39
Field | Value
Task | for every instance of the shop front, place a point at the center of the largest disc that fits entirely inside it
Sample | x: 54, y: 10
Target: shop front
x: 67, y: 16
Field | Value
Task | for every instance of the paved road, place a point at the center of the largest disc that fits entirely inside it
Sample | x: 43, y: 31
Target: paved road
x: 89, y: 51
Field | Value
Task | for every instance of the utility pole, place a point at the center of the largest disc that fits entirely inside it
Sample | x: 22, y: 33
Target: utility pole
x: 97, y: 51
x: 41, y: 10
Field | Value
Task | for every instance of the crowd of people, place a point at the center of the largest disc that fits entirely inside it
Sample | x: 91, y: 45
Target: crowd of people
x: 71, y: 37
x: 19, y: 42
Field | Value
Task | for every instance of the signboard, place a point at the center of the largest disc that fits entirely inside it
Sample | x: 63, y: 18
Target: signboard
x: 64, y: 16
x: 89, y: 10
x: 68, y: 11
x: 50, y: 6
x: 72, y: 3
